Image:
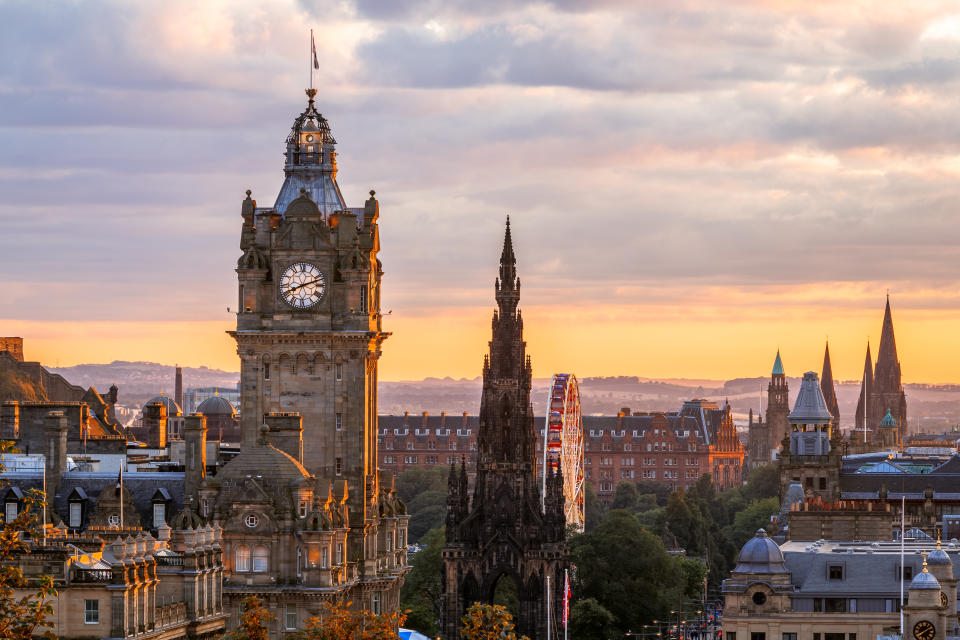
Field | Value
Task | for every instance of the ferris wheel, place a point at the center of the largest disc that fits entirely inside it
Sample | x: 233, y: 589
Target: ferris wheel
x: 563, y: 444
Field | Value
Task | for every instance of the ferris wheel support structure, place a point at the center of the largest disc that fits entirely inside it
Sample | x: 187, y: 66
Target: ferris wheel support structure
x: 563, y: 445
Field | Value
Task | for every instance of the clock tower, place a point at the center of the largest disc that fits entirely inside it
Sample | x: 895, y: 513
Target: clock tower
x: 309, y: 324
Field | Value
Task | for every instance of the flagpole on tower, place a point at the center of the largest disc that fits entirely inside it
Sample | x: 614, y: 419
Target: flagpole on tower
x: 312, y: 49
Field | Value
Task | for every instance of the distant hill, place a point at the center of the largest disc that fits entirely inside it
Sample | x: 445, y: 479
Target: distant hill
x: 140, y: 381
x: 932, y: 407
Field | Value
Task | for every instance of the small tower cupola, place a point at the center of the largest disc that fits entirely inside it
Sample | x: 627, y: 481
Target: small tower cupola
x: 310, y: 162
x: 810, y: 419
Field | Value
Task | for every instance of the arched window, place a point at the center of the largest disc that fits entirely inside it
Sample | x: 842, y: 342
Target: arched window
x: 261, y: 557
x: 243, y: 558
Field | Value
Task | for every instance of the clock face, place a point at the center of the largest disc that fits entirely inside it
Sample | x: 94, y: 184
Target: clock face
x: 924, y: 630
x: 310, y: 138
x: 944, y: 600
x: 302, y: 285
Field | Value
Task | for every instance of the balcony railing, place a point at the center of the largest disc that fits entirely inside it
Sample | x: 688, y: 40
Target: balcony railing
x: 92, y: 575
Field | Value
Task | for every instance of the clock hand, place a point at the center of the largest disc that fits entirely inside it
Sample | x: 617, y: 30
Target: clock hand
x: 300, y: 286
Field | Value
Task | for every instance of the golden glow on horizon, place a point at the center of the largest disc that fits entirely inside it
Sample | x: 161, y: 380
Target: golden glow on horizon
x: 708, y: 341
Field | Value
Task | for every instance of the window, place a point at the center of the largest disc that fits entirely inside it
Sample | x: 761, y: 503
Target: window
x: 11, y: 511
x: 406, y: 460
x: 835, y: 572
x: 628, y: 447
x: 159, y: 514
x: 323, y: 558
x: 388, y: 460
x: 789, y: 636
x: 759, y: 598
x: 339, y: 422
x: 363, y: 299
x: 907, y: 573
x: 303, y: 508
x: 339, y: 370
x: 251, y: 520
x: 243, y: 558
x: 76, y: 514
x: 91, y: 612
x: 823, y: 484
x: 432, y: 460
x: 114, y: 520
x: 299, y: 562
x: 261, y: 557
x: 266, y: 370
x: 851, y: 636
x: 375, y: 601
x: 732, y: 635
x: 835, y: 605
x: 758, y: 635
x: 339, y: 553
x: 649, y: 474
x: 290, y: 619
x: 339, y: 469
x: 627, y: 462
x: 410, y: 446
x: 626, y: 473
x: 205, y: 507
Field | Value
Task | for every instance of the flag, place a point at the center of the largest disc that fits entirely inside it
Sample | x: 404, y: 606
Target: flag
x: 313, y: 51
x: 566, y: 598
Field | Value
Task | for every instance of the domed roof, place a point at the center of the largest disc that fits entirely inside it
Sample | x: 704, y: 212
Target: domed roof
x: 810, y: 407
x: 216, y: 406
x: 888, y: 420
x: 924, y: 580
x: 172, y: 407
x: 938, y: 557
x: 760, y: 555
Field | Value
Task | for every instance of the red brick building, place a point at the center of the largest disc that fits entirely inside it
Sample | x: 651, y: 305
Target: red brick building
x: 675, y: 449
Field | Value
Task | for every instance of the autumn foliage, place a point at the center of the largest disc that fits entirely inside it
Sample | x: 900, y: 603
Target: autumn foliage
x: 488, y: 622
x: 339, y: 622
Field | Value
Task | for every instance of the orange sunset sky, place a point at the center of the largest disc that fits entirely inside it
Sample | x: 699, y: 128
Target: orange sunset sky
x: 691, y: 185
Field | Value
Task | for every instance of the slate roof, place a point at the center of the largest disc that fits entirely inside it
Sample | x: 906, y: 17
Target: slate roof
x: 141, y: 485
x: 810, y: 407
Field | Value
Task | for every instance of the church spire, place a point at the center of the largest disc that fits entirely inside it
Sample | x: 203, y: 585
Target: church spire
x: 777, y: 365
x: 888, y: 365
x: 508, y: 284
x: 826, y: 385
x: 864, y: 417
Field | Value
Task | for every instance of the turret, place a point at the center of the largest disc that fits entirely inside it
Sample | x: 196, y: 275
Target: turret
x: 810, y: 420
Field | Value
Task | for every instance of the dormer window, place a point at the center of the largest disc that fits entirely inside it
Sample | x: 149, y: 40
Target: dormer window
x: 160, y: 501
x: 11, y: 503
x: 77, y: 501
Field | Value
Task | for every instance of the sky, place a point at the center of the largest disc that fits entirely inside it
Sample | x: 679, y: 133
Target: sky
x: 691, y: 185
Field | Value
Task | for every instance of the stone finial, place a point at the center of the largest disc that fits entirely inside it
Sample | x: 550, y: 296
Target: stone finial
x: 249, y: 193
x: 163, y: 532
x: 372, y: 193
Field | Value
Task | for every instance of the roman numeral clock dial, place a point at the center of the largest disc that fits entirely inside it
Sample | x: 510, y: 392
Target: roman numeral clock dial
x: 302, y: 285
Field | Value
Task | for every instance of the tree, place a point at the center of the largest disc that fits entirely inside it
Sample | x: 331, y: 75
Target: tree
x: 423, y: 586
x: 626, y: 496
x: 626, y: 569
x: 593, y: 509
x: 339, y: 622
x: 253, y: 621
x: 26, y: 616
x: 589, y: 619
x: 427, y: 511
x: 763, y: 482
x: 488, y: 622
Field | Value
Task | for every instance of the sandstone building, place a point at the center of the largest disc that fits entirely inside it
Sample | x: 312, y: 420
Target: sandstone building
x: 882, y: 392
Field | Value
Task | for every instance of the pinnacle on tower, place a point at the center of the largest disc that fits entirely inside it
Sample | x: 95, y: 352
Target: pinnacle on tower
x: 777, y: 365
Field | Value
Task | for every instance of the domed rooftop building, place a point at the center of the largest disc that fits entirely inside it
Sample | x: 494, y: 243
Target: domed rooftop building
x: 760, y: 555
x: 216, y: 406
x: 222, y: 422
x: 173, y: 409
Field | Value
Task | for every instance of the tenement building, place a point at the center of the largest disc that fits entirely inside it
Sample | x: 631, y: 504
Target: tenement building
x: 675, y: 448
x: 504, y: 532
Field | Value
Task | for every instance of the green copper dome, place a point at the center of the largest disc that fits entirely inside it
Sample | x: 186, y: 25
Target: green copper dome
x: 888, y: 420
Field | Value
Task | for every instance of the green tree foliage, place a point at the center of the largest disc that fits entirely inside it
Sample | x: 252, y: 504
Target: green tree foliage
x: 424, y: 491
x: 422, y: 589
x: 253, y: 621
x: 763, y: 482
x: 14, y: 386
x: 26, y: 616
x: 626, y: 569
x: 593, y: 509
x: 589, y: 619
x: 488, y: 622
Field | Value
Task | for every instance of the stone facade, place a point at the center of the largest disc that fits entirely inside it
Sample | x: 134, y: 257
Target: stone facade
x: 306, y: 515
x: 504, y: 533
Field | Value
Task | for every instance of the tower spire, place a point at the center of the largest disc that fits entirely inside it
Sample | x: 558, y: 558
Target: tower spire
x: 826, y: 386
x: 864, y: 416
